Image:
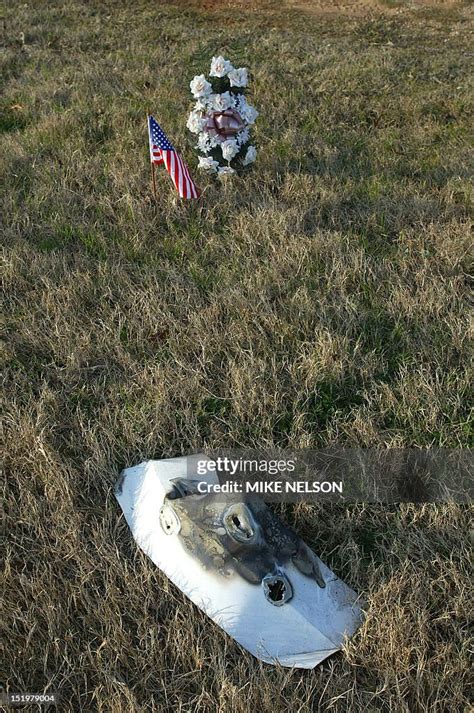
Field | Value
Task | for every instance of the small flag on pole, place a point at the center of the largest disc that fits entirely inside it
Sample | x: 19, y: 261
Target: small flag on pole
x: 161, y: 151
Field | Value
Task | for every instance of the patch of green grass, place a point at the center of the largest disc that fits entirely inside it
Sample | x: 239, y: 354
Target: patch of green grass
x: 330, y: 399
x: 12, y: 117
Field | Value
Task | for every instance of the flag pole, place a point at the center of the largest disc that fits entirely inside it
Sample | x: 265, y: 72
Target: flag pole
x: 153, y: 179
x: 153, y: 176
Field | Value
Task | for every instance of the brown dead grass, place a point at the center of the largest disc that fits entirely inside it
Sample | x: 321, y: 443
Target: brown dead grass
x: 363, y: 8
x: 321, y: 300
x: 335, y: 8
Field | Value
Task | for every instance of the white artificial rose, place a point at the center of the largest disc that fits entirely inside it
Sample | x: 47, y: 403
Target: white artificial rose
x: 243, y: 136
x: 229, y: 149
x: 200, y: 105
x: 221, y: 102
x: 206, y: 163
x: 249, y: 114
x: 195, y: 122
x: 250, y: 156
x: 241, y: 102
x: 224, y: 171
x: 215, y: 140
x: 200, y: 87
x: 220, y: 67
x: 238, y: 77
x: 210, y: 99
x: 204, y: 143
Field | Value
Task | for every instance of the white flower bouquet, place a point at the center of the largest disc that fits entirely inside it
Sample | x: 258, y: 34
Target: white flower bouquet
x: 221, y: 118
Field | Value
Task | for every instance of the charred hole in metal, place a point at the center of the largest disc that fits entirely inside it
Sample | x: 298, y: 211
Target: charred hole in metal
x: 237, y: 537
x: 277, y: 589
x: 239, y: 523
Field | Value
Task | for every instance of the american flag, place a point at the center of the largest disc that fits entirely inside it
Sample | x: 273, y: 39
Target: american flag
x: 161, y: 151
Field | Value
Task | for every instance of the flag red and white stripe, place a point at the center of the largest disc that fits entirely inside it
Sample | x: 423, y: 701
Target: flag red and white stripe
x: 162, y: 151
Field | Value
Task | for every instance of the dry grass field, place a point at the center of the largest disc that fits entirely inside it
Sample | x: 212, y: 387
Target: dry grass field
x: 321, y: 300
